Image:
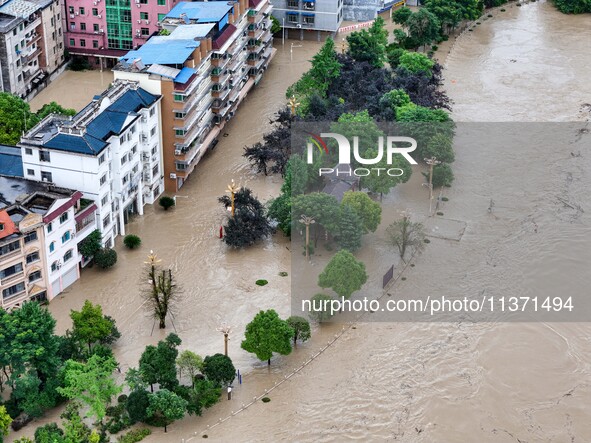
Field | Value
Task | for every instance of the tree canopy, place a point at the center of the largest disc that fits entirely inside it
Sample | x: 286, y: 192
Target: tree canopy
x: 90, y: 325
x: 369, y: 211
x: 369, y: 44
x: 344, y: 274
x: 165, y: 407
x: 266, y: 334
x: 158, y: 363
x: 219, y: 369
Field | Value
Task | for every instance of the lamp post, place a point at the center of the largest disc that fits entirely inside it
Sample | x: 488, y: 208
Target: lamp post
x: 283, y: 33
x: 343, y: 46
x: 293, y: 104
x: 291, y: 50
x: 431, y: 162
x: 225, y: 329
x: 307, y: 221
x: 233, y: 188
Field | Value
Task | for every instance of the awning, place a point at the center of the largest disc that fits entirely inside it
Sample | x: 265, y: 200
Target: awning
x: 308, y: 1
x: 292, y: 13
x: 308, y: 14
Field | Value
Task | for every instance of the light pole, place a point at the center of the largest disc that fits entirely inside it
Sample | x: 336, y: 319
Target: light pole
x: 293, y: 104
x: 343, y: 47
x: 307, y: 221
x: 225, y: 329
x: 283, y: 33
x: 291, y: 50
x: 233, y: 188
x: 431, y: 162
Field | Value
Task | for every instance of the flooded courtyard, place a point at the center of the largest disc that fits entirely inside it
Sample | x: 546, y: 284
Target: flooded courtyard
x: 411, y: 382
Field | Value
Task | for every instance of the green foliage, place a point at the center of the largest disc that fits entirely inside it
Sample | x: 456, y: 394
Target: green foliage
x: 416, y: 62
x: 132, y: 241
x: 91, y: 244
x: 322, y: 207
x: 369, y: 45
x: 219, y: 369
x: 442, y: 175
x: 165, y: 407
x: 350, y: 229
x: 79, y: 64
x: 166, y: 202
x: 267, y: 333
x: 301, y: 328
x: 449, y: 13
x: 394, y: 52
x: 400, y: 16
x: 344, y: 274
x: 14, y: 112
x: 319, y: 313
x: 275, y: 25
x: 383, y: 182
x: 415, y: 113
x: 49, y: 433
x: 369, y: 211
x: 190, y: 363
x: 5, y: 421
x: 91, y: 383
x: 573, y: 6
x: 21, y: 440
x: 357, y: 124
x: 261, y: 282
x: 137, y: 405
x: 90, y: 325
x: 249, y: 224
x: 75, y: 430
x: 423, y: 27
x: 105, y: 258
x: 54, y: 108
x: 134, y: 436
x: 405, y: 233
x: 394, y: 99
x: 158, y: 363
x: 440, y: 146
x: 33, y: 397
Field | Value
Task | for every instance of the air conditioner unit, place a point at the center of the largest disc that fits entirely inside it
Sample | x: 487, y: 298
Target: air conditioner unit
x: 147, y: 22
x: 173, y: 175
x: 95, y: 3
x: 71, y: 15
x: 298, y: 26
x: 138, y: 5
x: 178, y: 152
x: 144, y: 118
x: 44, y: 179
x: 158, y: 23
x: 139, y: 21
x: 102, y: 31
x: 96, y: 32
x: 138, y: 32
x: 76, y: 13
x: 99, y: 16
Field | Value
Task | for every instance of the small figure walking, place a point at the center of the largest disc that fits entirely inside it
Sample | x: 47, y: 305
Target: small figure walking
x: 491, y: 205
x: 229, y: 392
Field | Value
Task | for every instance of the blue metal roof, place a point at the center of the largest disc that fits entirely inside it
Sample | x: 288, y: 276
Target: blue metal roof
x: 184, y: 75
x: 201, y: 12
x: 11, y: 162
x: 163, y: 50
x: 79, y: 144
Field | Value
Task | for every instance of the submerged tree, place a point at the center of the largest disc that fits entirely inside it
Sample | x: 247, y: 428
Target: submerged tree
x: 344, y: 274
x: 266, y: 334
x: 162, y: 292
x: 405, y: 234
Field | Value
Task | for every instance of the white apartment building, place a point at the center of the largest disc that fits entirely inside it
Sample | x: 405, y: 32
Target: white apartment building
x: 110, y: 151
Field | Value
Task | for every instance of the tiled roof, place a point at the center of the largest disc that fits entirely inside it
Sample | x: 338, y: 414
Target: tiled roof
x: 9, y: 227
x: 11, y: 161
x: 223, y: 36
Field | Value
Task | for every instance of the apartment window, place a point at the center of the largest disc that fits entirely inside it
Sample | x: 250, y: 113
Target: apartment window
x: 49, y: 227
x: 293, y: 3
x: 72, y: 26
x: 71, y: 9
x: 44, y: 156
x: 95, y: 27
x: 105, y: 200
x: 83, y: 43
x: 32, y: 257
x: 54, y: 266
x: 11, y: 270
x: 133, y: 151
x: 14, y: 31
x: 83, y: 26
x: 28, y: 151
x: 66, y: 237
x: 82, y: 10
x: 103, y: 179
x: 179, y: 132
x: 64, y: 217
x: 145, y: 31
x: 101, y: 159
x: 19, y: 78
x: 46, y: 176
x: 155, y: 170
x: 309, y: 5
x: 154, y: 149
x: 94, y: 12
x: 144, y: 15
x: 17, y: 49
x: 161, y: 17
x: 34, y: 276
x: 30, y: 172
x: 152, y: 111
x: 179, y: 115
x: 68, y: 255
x: 153, y: 131
x: 106, y: 220
x: 121, y: 139
x: 144, y: 2
x: 13, y: 290
x: 179, y: 98
x: 95, y: 44
x: 161, y: 2
x: 72, y: 42
x: 18, y: 63
x: 6, y: 249
x: 52, y: 246
x: 132, y: 130
x: 292, y: 18
x: 31, y: 236
x: 124, y: 159
x: 135, y: 169
x: 308, y: 19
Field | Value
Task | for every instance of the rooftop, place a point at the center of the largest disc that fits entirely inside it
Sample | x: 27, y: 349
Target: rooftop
x: 11, y: 162
x: 16, y: 189
x: 201, y: 12
x: 7, y: 226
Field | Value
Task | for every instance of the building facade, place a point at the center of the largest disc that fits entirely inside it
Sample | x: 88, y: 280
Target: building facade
x: 215, y: 53
x: 308, y: 15
x: 110, y: 151
x: 31, y: 44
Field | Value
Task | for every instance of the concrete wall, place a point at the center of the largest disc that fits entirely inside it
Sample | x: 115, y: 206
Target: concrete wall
x: 328, y: 14
x: 361, y: 10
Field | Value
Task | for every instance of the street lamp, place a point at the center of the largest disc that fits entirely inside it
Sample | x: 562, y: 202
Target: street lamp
x: 343, y: 46
x: 431, y: 162
x: 225, y: 329
x: 283, y: 33
x: 291, y: 50
x: 293, y: 104
x: 307, y: 221
x: 233, y: 188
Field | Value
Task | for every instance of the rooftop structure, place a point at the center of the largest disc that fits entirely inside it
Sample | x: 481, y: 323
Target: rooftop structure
x: 11, y: 161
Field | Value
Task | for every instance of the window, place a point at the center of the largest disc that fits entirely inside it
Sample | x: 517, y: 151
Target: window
x: 101, y: 159
x: 82, y: 11
x: 72, y: 42
x: 161, y: 16
x: 64, y: 217
x: 106, y: 220
x: 155, y: 170
x: 145, y: 31
x: 18, y: 78
x: 105, y: 200
x: 293, y: 3
x: 152, y: 111
x: 83, y: 43
x: 95, y: 44
x: 144, y: 2
x: 153, y: 131
x: 30, y: 172
x: 179, y: 98
x: 154, y: 149
x: 49, y: 227
x: 133, y: 151
x: 54, y: 266
x: 7, y: 249
x: 121, y: 139
x: 144, y: 15
x: 179, y: 132
x: 52, y: 246
x: 68, y: 255
x: 72, y: 26
x: 44, y: 156
x: 11, y: 270
x: 308, y: 19
x: 292, y: 18
x: 95, y: 27
x: 31, y: 236
x: 161, y: 3
x: 309, y: 5
x: 46, y: 176
x: 83, y: 26
x: 13, y: 290
x: 179, y: 115
x: 34, y: 276
x: 94, y: 11
x: 32, y: 257
x: 71, y: 9
x: 133, y: 129
x: 28, y: 151
x: 123, y: 159
x: 66, y: 237
x: 103, y: 180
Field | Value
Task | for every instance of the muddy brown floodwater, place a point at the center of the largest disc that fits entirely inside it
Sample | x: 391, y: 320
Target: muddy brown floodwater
x: 412, y: 382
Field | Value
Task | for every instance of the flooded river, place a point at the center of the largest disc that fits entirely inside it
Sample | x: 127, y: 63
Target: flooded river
x: 411, y: 382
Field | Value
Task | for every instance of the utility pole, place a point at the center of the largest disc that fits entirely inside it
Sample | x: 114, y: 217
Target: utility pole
x: 343, y: 47
x: 431, y: 162
x: 283, y: 33
x: 225, y: 329
x: 293, y: 104
x: 307, y: 221
x: 233, y: 188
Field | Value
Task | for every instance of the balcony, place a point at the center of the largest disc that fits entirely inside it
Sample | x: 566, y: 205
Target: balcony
x: 13, y: 278
x: 203, y: 89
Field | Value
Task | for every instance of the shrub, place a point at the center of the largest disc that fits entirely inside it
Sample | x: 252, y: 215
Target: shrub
x: 283, y: 274
x: 49, y: 433
x: 137, y: 404
x: 23, y: 440
x: 427, y: 240
x: 265, y: 399
x: 132, y: 241
x: 442, y: 175
x: 122, y: 399
x: 105, y: 258
x: 261, y: 282
x: 134, y: 436
x: 166, y: 202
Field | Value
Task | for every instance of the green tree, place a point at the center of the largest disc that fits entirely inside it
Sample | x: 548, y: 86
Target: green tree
x: 75, y: 430
x: 301, y: 328
x: 158, y: 363
x: 323, y: 208
x: 394, y: 51
x: 137, y: 405
x: 32, y: 396
x: 404, y: 234
x: 166, y: 202
x: 91, y: 383
x: 165, y: 407
x: 416, y: 62
x: 394, y: 99
x: 369, y: 211
x: 442, y: 175
x: 132, y: 241
x: 382, y: 182
x: 447, y: 12
x: 423, y: 27
x: 91, y: 244
x: 573, y: 6
x: 414, y: 113
x: 5, y: 421
x: 105, y: 258
x: 344, y: 274
x: 54, y: 108
x: 190, y: 363
x: 15, y: 118
x: 267, y: 333
x: 321, y: 307
x: 370, y: 45
x: 440, y: 146
x: 90, y: 325
x: 400, y: 16
x: 49, y: 433
x: 350, y: 229
x: 219, y: 369
x: 361, y: 125
x: 275, y: 25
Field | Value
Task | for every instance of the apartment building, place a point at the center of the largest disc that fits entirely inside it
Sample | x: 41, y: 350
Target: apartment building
x: 214, y: 54
x: 303, y: 16
x: 31, y: 44
x: 104, y: 30
x: 38, y: 239
x: 109, y: 151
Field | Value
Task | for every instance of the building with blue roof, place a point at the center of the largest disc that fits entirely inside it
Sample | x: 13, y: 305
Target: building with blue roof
x: 11, y: 161
x: 110, y: 151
